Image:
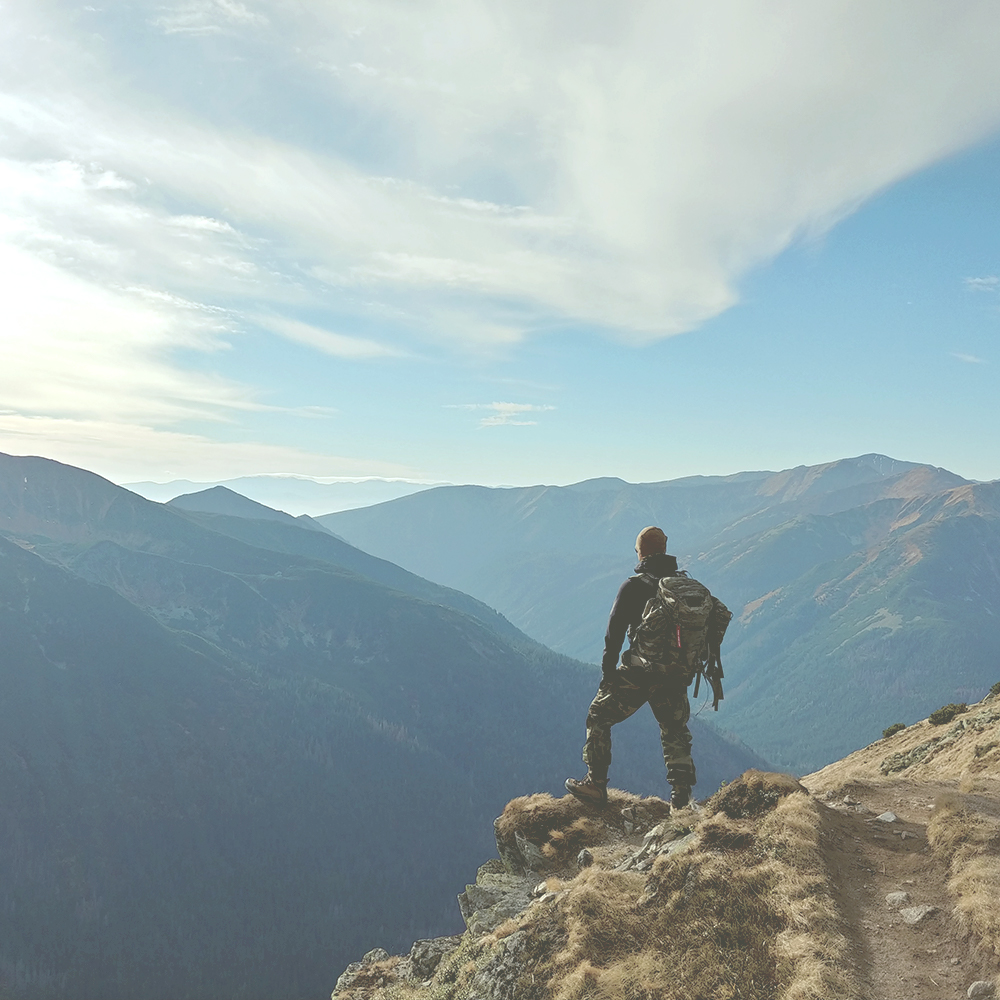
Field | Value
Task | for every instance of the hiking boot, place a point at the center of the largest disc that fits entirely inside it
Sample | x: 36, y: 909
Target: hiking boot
x: 594, y: 793
x: 680, y: 799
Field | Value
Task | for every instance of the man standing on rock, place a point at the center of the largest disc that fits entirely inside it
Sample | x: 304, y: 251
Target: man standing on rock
x: 623, y: 691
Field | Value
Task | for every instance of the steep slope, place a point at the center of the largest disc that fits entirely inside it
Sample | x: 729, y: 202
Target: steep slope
x: 211, y: 746
x: 894, y: 618
x: 854, y: 583
x: 180, y: 824
x: 551, y: 558
x: 291, y: 540
x: 875, y: 877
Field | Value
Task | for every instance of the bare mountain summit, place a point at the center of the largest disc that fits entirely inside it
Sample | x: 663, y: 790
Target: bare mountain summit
x: 875, y: 877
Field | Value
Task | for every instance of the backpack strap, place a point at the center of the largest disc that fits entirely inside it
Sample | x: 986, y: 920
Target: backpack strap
x: 712, y: 669
x: 714, y: 675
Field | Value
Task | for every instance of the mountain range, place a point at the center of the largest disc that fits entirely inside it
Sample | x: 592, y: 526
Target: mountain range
x: 290, y: 493
x: 866, y: 590
x: 230, y: 740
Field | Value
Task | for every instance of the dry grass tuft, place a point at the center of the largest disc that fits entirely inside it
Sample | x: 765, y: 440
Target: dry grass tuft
x: 700, y: 926
x: 813, y: 946
x: 536, y: 816
x: 564, y: 844
x: 753, y: 794
x: 561, y: 827
x: 746, y: 913
x: 969, y: 842
x: 724, y: 834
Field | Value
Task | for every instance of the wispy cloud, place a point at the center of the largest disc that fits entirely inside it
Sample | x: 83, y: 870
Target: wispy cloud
x: 125, y: 451
x: 503, y: 414
x: 74, y: 348
x: 969, y: 359
x: 336, y: 344
x: 202, y: 17
x: 987, y: 284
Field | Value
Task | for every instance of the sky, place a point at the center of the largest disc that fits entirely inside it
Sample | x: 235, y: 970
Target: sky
x: 462, y: 241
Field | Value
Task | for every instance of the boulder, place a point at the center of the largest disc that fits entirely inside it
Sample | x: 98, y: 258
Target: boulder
x: 917, y: 914
x: 494, y: 898
x: 351, y: 973
x: 425, y: 956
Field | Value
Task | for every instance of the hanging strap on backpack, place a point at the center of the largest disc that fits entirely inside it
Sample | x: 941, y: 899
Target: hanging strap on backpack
x: 712, y: 671
x: 714, y: 675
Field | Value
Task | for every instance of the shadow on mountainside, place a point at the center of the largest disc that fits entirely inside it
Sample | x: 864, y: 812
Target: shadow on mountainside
x: 874, y: 878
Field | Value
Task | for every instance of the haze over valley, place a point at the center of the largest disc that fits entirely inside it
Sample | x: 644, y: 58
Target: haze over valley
x: 218, y: 728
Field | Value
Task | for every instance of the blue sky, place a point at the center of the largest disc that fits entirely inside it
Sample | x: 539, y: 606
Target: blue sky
x: 518, y: 243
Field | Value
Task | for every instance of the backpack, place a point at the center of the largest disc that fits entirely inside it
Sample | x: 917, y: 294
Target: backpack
x: 681, y: 631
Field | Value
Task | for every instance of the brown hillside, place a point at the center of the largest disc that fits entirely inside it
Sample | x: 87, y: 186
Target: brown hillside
x: 771, y: 888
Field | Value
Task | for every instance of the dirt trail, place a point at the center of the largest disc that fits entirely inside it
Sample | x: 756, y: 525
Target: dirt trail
x: 870, y: 858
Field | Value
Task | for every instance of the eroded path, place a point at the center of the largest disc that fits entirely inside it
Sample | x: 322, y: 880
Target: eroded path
x: 870, y: 857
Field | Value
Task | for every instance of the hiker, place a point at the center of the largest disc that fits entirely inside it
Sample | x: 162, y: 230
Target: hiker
x: 662, y: 659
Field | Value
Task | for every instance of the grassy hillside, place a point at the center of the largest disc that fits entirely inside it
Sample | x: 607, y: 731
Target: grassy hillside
x: 897, y: 623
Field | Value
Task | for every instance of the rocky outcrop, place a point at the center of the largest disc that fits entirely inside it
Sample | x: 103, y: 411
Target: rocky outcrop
x: 926, y: 751
x: 629, y: 889
x: 743, y: 896
x: 494, y: 897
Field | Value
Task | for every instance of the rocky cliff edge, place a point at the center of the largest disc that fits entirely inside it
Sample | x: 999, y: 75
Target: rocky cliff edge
x: 877, y: 877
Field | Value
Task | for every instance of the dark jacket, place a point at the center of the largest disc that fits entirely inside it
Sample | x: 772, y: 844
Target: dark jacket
x: 630, y: 603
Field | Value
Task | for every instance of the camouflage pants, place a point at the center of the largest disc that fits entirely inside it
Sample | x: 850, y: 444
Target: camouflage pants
x: 624, y: 695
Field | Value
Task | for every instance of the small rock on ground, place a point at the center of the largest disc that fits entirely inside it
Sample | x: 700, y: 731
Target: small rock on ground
x: 897, y: 899
x: 916, y: 914
x: 981, y: 989
x: 886, y: 817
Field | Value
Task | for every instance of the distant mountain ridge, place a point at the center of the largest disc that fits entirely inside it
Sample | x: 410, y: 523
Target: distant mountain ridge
x: 835, y: 572
x: 290, y: 493
x: 222, y: 500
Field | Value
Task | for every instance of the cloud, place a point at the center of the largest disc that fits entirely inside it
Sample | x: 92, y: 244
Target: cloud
x: 987, y: 284
x: 200, y: 17
x: 503, y: 414
x: 125, y: 452
x: 616, y: 167
x: 969, y: 359
x: 460, y: 175
x: 336, y: 344
x: 74, y: 348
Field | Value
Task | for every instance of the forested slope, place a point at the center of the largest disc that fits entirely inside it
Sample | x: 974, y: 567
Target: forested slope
x: 219, y: 760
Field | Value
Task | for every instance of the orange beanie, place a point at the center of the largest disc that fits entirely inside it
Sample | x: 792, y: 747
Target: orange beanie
x: 649, y: 541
